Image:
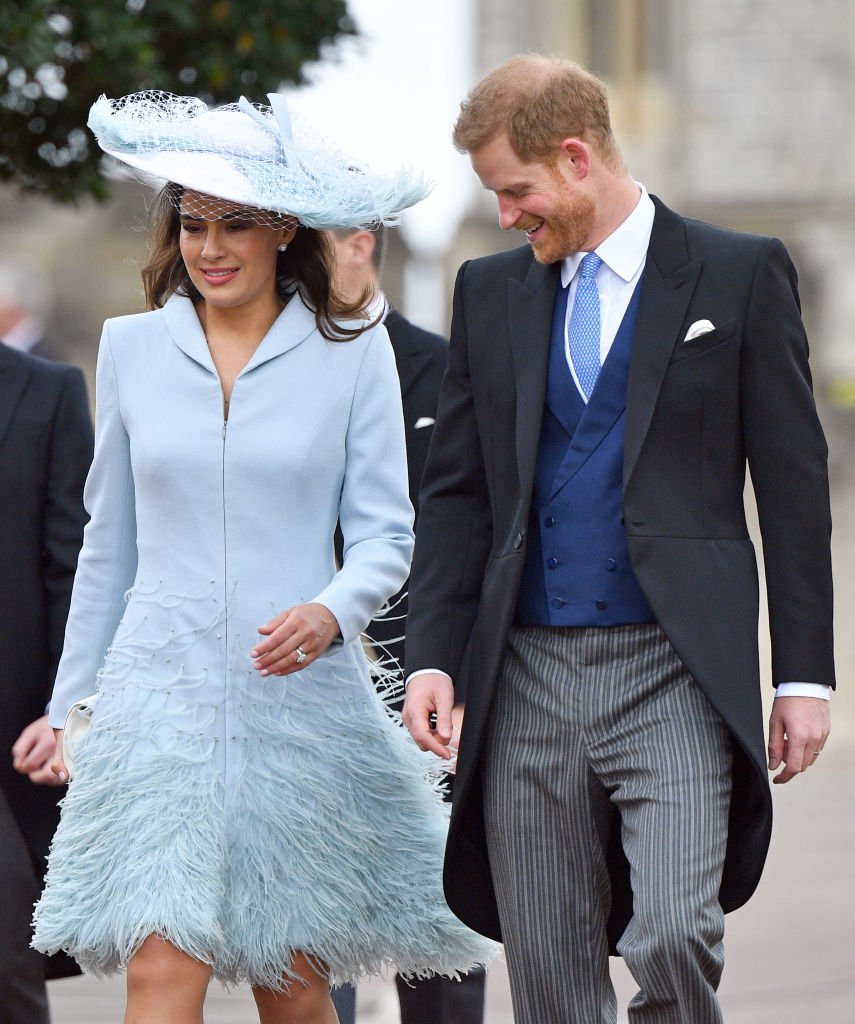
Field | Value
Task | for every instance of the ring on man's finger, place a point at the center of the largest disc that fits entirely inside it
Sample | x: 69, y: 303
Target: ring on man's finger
x: 299, y: 655
x: 816, y: 753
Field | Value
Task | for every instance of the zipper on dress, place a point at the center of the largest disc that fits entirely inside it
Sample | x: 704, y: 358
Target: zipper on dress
x: 225, y: 557
x: 224, y: 544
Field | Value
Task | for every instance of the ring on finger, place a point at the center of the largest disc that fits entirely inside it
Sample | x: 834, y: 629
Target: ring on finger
x: 300, y: 655
x: 816, y: 753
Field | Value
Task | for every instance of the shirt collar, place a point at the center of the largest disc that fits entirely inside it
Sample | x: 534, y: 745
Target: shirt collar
x: 377, y: 306
x: 625, y: 249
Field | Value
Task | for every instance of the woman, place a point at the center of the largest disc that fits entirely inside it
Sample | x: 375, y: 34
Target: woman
x: 242, y: 804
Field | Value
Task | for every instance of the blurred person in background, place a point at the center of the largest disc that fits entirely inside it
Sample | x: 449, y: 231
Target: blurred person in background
x: 584, y: 577
x: 420, y: 358
x: 25, y: 304
x: 45, y: 451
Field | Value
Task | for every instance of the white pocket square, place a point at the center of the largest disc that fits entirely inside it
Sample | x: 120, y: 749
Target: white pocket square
x: 698, y: 328
x: 424, y: 421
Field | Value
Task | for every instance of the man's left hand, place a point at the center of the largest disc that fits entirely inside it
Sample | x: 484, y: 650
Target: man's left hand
x: 33, y: 751
x: 798, y: 729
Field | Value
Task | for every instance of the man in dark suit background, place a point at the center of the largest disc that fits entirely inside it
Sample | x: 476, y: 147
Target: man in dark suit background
x: 45, y: 450
x: 583, y: 575
x: 420, y: 358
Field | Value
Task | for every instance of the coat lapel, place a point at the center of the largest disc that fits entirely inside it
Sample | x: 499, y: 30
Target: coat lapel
x: 530, y: 303
x: 667, y: 287
x: 409, y: 356
x: 13, y: 379
x: 293, y: 325
x: 185, y: 330
x: 409, y: 365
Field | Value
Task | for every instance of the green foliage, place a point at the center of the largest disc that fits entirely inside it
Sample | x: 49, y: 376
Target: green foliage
x: 57, y: 58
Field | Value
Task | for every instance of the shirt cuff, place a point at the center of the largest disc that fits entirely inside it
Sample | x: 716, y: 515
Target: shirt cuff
x: 819, y: 690
x: 424, y: 672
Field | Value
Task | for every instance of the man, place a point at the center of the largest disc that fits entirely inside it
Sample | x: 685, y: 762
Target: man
x: 583, y: 573
x: 420, y: 359
x: 25, y: 302
x: 45, y: 451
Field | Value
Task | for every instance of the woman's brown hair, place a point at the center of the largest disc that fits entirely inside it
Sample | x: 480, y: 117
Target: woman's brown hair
x: 306, y: 262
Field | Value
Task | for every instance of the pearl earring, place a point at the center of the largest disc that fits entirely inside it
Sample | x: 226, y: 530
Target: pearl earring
x: 283, y: 247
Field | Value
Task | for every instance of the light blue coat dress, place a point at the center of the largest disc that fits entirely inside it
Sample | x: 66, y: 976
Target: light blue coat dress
x: 243, y: 817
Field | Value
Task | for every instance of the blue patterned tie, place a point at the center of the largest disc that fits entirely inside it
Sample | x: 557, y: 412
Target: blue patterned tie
x: 583, y: 331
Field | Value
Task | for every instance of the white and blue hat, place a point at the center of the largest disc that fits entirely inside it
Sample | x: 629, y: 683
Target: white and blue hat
x: 248, y: 154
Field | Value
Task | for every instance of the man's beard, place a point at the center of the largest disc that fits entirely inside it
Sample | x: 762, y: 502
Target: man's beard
x: 569, y: 228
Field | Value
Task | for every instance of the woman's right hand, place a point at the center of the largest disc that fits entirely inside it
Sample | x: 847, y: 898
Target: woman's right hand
x: 57, y: 765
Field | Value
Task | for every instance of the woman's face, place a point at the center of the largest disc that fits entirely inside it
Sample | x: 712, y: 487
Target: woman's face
x: 231, y: 259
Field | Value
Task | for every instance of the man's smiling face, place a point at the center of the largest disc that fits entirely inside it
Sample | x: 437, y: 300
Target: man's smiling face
x: 542, y: 199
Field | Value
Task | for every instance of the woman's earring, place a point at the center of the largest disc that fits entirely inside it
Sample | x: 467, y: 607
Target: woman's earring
x: 283, y: 247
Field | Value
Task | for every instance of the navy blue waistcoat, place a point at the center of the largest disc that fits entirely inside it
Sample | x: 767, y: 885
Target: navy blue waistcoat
x: 577, y: 570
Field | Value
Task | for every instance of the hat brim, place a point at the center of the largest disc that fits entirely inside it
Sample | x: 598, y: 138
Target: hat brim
x: 244, y: 155
x: 206, y: 173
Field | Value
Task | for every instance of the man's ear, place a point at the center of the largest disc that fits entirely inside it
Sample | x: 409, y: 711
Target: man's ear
x: 575, y: 158
x: 361, y: 246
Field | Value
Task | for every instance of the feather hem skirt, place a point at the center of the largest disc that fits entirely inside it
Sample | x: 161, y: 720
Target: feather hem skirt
x: 281, y: 815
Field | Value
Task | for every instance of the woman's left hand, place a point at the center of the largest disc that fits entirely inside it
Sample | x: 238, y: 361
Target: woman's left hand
x: 295, y: 638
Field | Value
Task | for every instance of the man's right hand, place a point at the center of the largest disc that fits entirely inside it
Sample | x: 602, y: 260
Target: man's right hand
x: 427, y: 694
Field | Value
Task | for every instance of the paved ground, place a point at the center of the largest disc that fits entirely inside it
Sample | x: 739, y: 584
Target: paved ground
x: 790, y: 952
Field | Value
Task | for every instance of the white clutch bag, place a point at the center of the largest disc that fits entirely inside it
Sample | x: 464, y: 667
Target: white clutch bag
x: 77, y: 723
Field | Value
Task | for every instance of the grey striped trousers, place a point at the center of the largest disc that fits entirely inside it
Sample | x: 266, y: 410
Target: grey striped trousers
x: 586, y: 718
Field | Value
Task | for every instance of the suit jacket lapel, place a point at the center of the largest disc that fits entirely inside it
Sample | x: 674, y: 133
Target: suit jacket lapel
x: 667, y: 287
x: 530, y: 303
x: 13, y: 379
x: 409, y: 359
